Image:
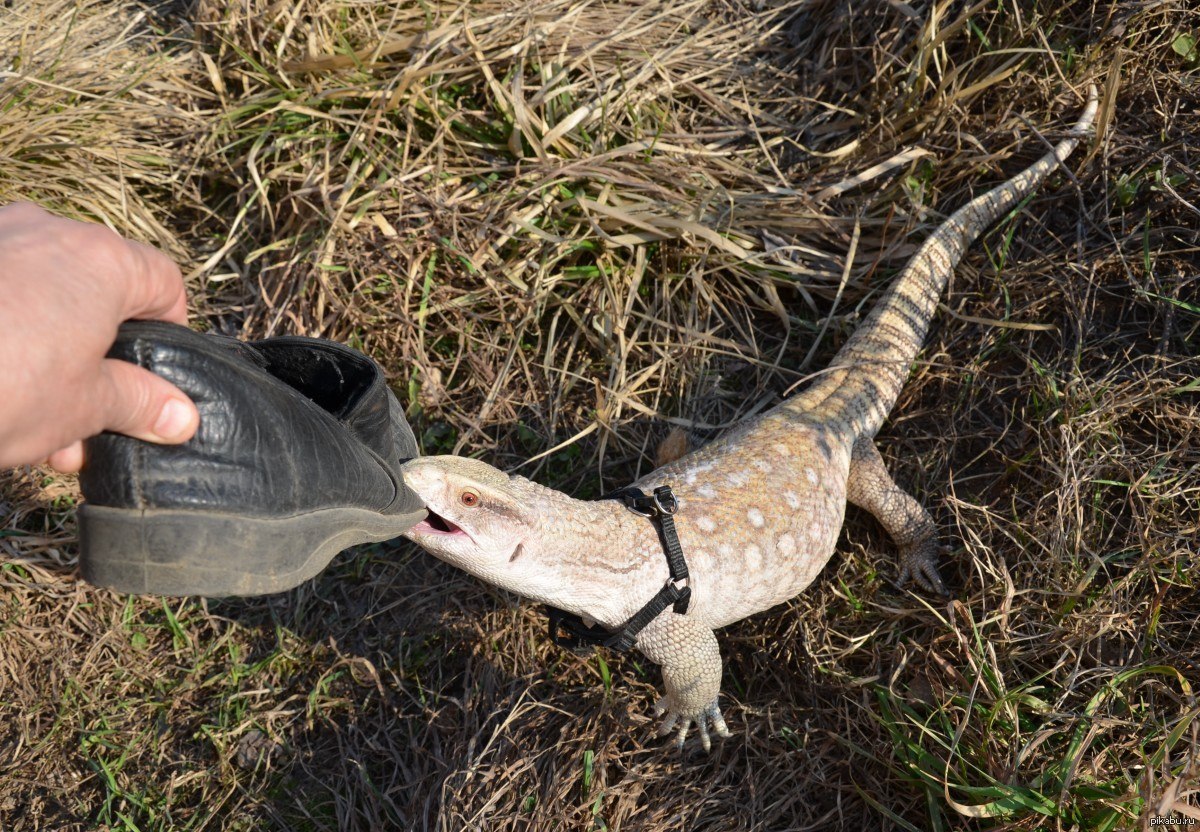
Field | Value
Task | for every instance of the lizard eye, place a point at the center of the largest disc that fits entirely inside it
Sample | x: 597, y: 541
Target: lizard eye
x: 469, y: 498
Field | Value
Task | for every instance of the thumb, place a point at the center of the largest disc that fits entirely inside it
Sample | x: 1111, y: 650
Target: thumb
x: 145, y: 406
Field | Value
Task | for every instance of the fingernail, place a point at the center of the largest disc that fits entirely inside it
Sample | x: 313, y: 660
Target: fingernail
x: 173, y: 421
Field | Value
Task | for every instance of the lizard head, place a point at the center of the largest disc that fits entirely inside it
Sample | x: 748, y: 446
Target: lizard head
x: 479, y: 517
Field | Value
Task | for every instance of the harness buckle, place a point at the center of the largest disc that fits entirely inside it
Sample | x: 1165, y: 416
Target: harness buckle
x: 637, y: 502
x: 643, y: 507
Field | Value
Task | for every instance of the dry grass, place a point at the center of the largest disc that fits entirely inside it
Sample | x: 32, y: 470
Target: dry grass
x: 563, y: 226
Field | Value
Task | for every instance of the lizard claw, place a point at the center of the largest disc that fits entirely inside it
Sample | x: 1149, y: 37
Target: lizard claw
x: 711, y: 713
x: 919, y: 564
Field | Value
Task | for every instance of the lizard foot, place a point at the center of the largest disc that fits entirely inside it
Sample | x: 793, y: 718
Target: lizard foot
x: 711, y: 713
x: 919, y: 563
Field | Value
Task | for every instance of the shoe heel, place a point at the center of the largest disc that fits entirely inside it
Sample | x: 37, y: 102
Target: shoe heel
x: 162, y: 552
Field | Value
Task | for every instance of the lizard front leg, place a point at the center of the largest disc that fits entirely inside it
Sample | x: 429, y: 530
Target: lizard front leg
x: 691, y: 666
x: 910, y: 526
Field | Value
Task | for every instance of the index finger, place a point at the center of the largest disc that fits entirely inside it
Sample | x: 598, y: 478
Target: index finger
x: 157, y: 291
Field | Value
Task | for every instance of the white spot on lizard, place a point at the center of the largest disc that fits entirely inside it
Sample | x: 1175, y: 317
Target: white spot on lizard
x: 793, y: 501
x: 753, y: 557
x: 756, y: 518
x: 810, y: 475
x: 706, y: 524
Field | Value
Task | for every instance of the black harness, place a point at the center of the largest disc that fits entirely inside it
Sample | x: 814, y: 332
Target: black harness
x: 568, y: 630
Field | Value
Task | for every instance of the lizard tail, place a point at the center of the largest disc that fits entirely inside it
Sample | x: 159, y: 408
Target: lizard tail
x: 866, y: 375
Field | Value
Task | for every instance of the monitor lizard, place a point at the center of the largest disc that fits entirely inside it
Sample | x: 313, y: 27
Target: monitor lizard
x: 759, y: 509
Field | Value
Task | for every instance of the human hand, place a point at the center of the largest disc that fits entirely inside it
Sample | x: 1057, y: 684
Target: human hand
x: 65, y: 287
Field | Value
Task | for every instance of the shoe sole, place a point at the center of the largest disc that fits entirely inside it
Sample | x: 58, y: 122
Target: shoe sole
x: 173, y: 552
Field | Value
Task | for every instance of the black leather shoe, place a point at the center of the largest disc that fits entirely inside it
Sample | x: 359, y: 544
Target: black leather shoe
x: 297, y: 457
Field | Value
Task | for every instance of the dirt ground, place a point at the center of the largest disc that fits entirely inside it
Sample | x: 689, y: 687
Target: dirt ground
x: 563, y: 227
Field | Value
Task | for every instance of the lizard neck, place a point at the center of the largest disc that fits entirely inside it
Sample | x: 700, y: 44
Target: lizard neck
x: 589, y: 557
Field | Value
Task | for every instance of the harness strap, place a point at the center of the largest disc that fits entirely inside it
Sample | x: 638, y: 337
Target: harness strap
x: 658, y: 508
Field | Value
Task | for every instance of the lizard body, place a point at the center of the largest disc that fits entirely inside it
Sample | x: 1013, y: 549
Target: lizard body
x: 760, y: 508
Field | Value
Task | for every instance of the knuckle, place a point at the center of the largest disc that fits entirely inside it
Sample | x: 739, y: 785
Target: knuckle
x: 99, y: 239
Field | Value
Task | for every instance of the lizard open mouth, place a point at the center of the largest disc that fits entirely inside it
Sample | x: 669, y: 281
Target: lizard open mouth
x: 436, y: 524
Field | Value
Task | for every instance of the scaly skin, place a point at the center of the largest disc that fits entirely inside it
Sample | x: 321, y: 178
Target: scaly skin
x: 759, y: 508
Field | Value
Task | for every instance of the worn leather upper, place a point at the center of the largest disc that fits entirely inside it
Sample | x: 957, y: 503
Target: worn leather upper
x: 287, y: 425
